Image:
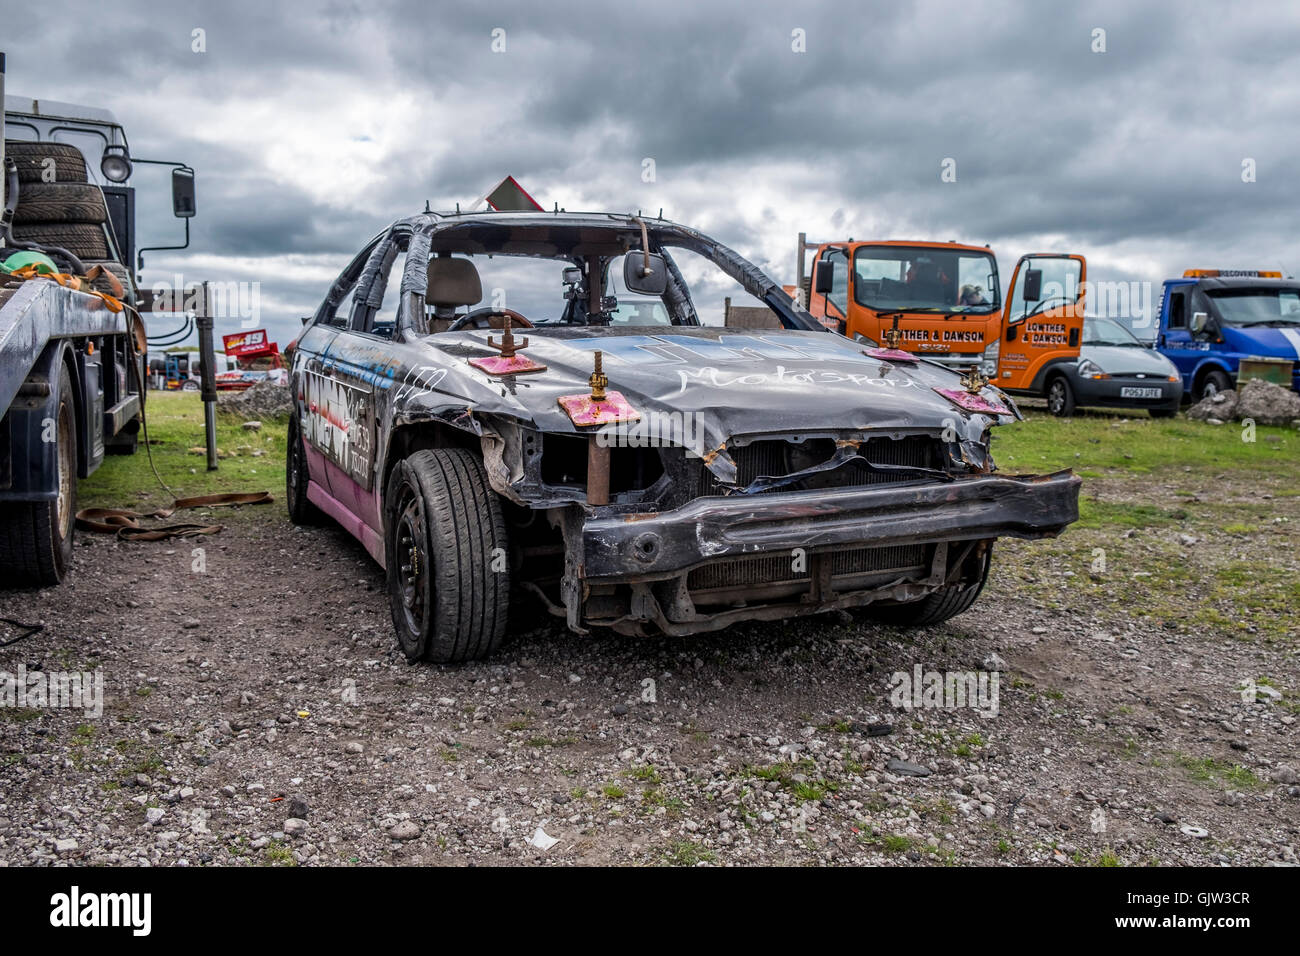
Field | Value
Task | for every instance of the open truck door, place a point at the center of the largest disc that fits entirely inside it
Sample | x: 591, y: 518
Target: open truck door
x: 1042, y: 322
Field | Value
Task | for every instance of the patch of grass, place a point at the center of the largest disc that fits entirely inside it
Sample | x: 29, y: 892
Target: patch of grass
x: 175, y: 421
x: 655, y: 798
x: 19, y: 715
x: 613, y: 791
x: 1220, y: 772
x: 517, y: 725
x: 1102, y: 444
x: 646, y: 773
x: 277, y: 854
x: 1108, y: 858
x: 686, y: 853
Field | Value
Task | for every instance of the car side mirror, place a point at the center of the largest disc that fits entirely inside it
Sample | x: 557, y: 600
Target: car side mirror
x: 1199, y: 321
x: 645, y: 273
x: 1033, y: 285
x: 183, y: 193
x: 824, y: 277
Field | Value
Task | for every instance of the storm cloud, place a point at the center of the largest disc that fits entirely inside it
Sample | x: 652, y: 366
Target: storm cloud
x: 313, y: 125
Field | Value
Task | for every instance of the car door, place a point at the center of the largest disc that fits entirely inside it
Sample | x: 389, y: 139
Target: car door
x: 1042, y: 321
x: 358, y: 363
x: 323, y: 424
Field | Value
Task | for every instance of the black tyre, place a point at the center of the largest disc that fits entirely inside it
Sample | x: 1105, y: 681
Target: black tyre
x: 445, y: 543
x: 32, y: 159
x: 1060, y: 397
x: 83, y: 240
x: 1162, y: 412
x: 60, y: 202
x: 937, y: 607
x: 301, y: 510
x: 1212, y: 384
x: 36, y: 537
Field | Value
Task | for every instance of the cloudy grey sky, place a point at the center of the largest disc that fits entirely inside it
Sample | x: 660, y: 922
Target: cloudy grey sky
x: 311, y: 125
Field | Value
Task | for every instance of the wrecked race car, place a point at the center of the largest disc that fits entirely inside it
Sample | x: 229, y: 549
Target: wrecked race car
x: 602, y: 453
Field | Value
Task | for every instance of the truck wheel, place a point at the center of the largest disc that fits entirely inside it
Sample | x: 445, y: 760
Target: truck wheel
x: 60, y: 202
x: 934, y: 608
x: 445, y: 544
x: 36, y: 536
x: 1060, y: 397
x: 296, y: 476
x: 33, y: 161
x: 83, y: 240
x: 1213, y: 383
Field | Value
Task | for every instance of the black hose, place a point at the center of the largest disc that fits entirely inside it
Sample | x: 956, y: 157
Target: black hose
x: 11, y: 202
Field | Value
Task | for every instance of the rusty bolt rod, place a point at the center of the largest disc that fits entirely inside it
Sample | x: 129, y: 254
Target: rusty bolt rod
x: 597, y: 472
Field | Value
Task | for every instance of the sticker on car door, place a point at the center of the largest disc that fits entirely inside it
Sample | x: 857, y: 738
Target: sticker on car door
x: 340, y: 423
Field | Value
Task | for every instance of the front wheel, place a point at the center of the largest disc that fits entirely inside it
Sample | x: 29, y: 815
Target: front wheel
x: 36, y: 536
x: 1060, y: 398
x: 938, y: 607
x: 1214, y: 383
x: 446, y: 555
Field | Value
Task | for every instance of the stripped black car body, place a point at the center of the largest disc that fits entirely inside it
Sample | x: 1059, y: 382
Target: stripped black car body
x: 811, y: 476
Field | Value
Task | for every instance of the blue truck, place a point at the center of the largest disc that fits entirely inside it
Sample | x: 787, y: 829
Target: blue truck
x: 1217, y: 324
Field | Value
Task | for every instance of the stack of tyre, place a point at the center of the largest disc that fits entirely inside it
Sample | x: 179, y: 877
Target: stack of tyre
x: 59, y: 206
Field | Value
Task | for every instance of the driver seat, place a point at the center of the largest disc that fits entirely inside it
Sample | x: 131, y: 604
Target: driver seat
x: 452, y: 283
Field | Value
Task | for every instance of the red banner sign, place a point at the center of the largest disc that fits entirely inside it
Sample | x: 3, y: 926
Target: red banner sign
x: 242, y: 344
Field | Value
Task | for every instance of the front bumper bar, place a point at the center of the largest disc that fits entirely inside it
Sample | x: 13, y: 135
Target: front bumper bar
x: 669, y: 543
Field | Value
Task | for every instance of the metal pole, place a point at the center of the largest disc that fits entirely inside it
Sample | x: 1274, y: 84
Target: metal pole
x: 207, y: 372
x: 3, y: 177
x: 798, y: 270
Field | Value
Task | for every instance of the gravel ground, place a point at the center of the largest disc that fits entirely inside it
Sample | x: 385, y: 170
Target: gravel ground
x: 257, y: 711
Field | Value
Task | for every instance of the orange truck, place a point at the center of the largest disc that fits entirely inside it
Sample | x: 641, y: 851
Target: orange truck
x: 942, y: 300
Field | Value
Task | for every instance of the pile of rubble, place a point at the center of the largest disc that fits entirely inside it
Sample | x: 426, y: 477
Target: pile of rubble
x: 264, y: 400
x: 1261, y: 402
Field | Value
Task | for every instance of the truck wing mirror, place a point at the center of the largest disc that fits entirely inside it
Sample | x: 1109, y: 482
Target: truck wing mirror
x: 1033, y: 285
x: 183, y: 193
x: 824, y: 277
x: 1199, y: 321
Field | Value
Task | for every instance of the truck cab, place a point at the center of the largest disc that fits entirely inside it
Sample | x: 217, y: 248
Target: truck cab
x: 941, y: 300
x: 1217, y: 326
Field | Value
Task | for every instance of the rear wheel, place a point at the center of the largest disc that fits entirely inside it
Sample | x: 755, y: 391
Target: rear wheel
x: 445, y: 544
x: 1060, y: 397
x: 941, y: 605
x: 296, y: 476
x: 36, y: 536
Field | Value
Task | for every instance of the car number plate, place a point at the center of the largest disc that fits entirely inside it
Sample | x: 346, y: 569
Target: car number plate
x: 1131, y: 392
